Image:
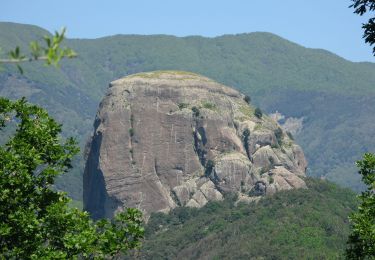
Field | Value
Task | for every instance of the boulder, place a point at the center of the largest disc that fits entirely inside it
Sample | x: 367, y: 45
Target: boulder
x: 169, y: 138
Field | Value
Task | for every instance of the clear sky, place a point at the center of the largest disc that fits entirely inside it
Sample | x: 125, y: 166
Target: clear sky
x: 327, y: 24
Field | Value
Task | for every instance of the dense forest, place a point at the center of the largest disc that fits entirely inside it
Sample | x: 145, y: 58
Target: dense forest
x: 306, y: 223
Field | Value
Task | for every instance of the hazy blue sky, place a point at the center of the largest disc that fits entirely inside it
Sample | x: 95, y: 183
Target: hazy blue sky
x: 327, y: 24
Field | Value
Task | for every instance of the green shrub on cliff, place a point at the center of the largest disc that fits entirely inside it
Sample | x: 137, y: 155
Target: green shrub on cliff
x: 195, y: 111
x: 258, y: 113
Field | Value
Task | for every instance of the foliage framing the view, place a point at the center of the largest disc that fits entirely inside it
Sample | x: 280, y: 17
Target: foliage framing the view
x: 51, y: 53
x: 35, y: 220
x: 361, y: 7
x: 361, y: 244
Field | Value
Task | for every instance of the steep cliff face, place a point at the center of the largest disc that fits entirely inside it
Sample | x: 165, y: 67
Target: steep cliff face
x: 166, y: 139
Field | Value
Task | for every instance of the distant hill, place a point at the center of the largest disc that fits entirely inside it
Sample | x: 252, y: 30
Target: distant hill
x: 295, y: 224
x: 334, y: 96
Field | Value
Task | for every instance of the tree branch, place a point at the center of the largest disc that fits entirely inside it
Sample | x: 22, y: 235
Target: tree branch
x: 30, y: 59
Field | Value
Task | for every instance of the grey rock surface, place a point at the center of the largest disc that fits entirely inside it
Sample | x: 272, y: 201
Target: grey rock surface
x: 165, y: 139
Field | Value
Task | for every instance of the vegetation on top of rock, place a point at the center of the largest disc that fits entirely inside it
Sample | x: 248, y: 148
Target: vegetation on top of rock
x: 246, y: 133
x: 131, y: 131
x: 181, y: 75
x: 182, y: 105
x: 258, y: 112
x: 209, y: 105
x: 247, y: 99
x: 210, y: 164
x: 196, y: 112
x: 279, y: 134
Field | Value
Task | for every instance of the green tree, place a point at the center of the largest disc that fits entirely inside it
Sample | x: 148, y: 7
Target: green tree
x: 247, y: 99
x: 35, y: 220
x: 361, y: 243
x: 258, y: 112
x: 195, y: 111
x: 361, y: 7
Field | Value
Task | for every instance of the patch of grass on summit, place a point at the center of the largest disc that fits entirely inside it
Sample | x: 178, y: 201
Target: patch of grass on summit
x: 247, y: 110
x: 182, y: 105
x: 209, y: 105
x: 158, y: 73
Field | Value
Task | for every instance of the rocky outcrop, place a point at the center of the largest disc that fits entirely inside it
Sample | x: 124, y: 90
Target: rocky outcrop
x: 166, y: 139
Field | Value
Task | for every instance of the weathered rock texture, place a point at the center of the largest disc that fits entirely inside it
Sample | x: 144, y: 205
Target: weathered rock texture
x: 168, y: 139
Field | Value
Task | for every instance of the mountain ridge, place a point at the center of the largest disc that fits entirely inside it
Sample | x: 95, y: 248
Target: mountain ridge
x: 277, y: 74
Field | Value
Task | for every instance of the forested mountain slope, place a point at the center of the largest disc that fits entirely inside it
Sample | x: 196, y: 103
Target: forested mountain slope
x: 296, y: 224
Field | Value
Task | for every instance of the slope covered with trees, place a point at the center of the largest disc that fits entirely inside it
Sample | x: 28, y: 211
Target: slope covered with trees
x: 291, y: 224
x: 332, y: 95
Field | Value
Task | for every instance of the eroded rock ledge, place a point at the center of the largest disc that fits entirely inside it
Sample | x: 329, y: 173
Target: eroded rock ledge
x: 165, y: 139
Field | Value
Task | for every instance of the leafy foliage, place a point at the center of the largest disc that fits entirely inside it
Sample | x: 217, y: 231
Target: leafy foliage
x: 209, y: 105
x: 258, y: 112
x: 52, y: 53
x: 291, y: 224
x: 246, y: 134
x: 210, y: 165
x: 290, y: 135
x: 247, y: 99
x: 361, y: 7
x: 361, y: 244
x: 131, y: 132
x: 36, y: 221
x: 279, y: 135
x: 195, y: 111
x: 245, y: 138
x: 182, y: 105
